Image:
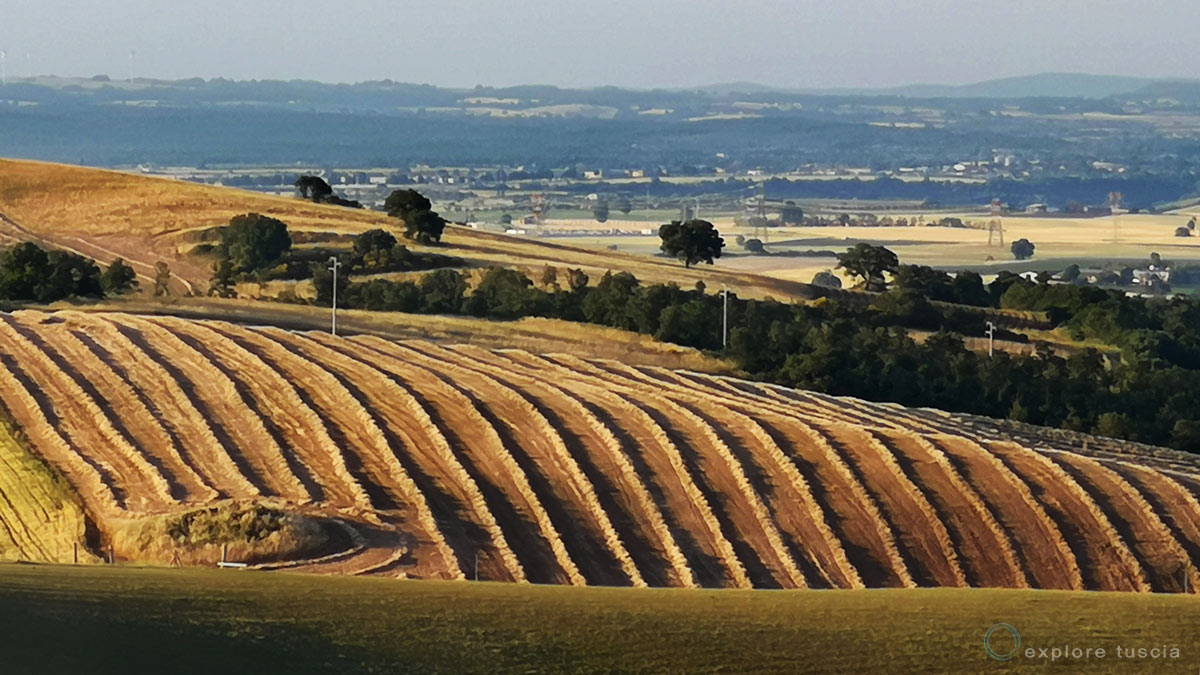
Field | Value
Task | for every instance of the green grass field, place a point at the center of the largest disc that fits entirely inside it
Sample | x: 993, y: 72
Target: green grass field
x: 93, y: 619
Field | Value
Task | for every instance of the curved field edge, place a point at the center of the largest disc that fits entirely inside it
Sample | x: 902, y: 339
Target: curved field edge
x: 131, y: 620
x: 41, y: 517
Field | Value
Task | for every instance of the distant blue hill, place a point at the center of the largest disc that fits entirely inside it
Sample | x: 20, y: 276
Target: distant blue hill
x: 1053, y: 85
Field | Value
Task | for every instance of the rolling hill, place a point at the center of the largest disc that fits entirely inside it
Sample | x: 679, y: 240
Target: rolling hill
x: 107, y: 214
x: 458, y: 462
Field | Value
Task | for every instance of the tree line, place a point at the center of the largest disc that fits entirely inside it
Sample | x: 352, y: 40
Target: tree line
x: 30, y: 273
x: 1150, y: 393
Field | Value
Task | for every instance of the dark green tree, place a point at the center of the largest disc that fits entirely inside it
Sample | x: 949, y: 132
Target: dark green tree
x: 692, y: 241
x: 502, y: 293
x: 443, y: 292
x: 606, y: 303
x: 314, y: 188
x: 1022, y: 249
x: 400, y: 203
x: 373, y: 240
x: 869, y: 263
x: 22, y: 268
x: 425, y: 227
x: 254, y: 242
x: 118, y: 278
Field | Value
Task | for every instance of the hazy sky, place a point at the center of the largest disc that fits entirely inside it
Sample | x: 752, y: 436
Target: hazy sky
x: 647, y: 43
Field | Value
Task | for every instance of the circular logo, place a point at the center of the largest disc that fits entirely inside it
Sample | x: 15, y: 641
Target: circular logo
x: 1002, y: 628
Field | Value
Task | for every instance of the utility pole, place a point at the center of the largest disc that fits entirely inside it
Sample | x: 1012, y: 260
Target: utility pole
x: 725, y: 317
x: 991, y: 333
x: 334, y: 264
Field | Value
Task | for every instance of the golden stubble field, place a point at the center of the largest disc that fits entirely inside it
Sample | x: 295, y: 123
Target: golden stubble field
x: 459, y: 462
x: 107, y: 214
x: 1059, y: 242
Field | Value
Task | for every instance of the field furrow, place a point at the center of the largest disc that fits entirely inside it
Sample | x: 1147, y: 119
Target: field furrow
x: 1040, y: 544
x: 908, y: 520
x: 624, y: 496
x: 494, y: 446
x: 710, y: 554
x: 504, y: 485
x: 249, y: 445
x: 1178, y: 508
x: 1163, y: 559
x: 81, y: 420
x: 1104, y: 558
x: 421, y: 458
x: 554, y: 453
x: 169, y: 404
x: 769, y: 561
x: 300, y: 429
x: 87, y: 476
x: 921, y: 537
x: 126, y: 408
x: 984, y: 549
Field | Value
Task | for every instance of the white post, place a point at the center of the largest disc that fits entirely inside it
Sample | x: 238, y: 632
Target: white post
x: 334, y: 264
x: 725, y: 317
x: 991, y: 333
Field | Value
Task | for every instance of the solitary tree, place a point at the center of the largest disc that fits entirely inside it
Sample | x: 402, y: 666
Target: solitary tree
x: 692, y: 241
x: 869, y: 263
x: 550, y: 277
x: 1022, y: 249
x: 162, y: 277
x: 313, y: 187
x: 1191, y: 224
x: 402, y: 202
x: 1183, y: 232
x: 1070, y: 274
x: 506, y: 219
x: 754, y: 246
x: 253, y: 241
x: 601, y: 212
x: 624, y: 205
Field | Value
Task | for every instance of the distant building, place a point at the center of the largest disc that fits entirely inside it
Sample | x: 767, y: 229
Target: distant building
x: 1144, y: 276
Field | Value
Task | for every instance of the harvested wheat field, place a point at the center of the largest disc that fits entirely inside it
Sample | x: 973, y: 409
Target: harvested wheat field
x: 108, y: 214
x: 410, y: 458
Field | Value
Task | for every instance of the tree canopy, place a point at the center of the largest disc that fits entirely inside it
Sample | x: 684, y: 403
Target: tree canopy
x: 1022, y: 249
x: 118, y: 278
x: 424, y: 226
x: 869, y: 263
x: 400, y: 203
x: 691, y: 241
x: 313, y: 187
x: 29, y: 273
x: 253, y: 242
